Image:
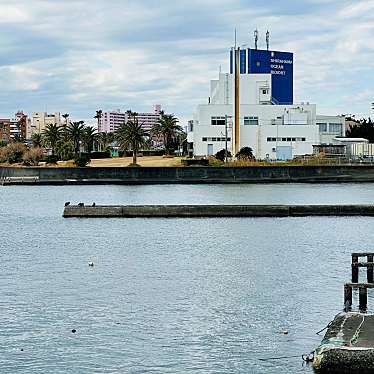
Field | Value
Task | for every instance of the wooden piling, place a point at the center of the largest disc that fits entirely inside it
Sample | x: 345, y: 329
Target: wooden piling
x: 355, y: 269
x: 363, y: 299
x: 347, y: 296
x: 370, y: 270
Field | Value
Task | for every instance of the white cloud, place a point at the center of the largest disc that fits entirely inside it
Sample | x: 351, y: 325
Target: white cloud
x: 80, y: 55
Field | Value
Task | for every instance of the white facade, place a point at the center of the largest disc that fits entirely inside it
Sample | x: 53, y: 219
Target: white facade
x: 39, y: 122
x: 330, y: 127
x: 272, y: 131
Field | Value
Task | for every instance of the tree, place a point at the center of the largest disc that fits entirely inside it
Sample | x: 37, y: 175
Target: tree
x: 66, y: 116
x: 51, y: 135
x: 75, y: 132
x: 220, y: 155
x: 131, y: 135
x: 363, y: 129
x: 245, y: 154
x: 104, y: 139
x: 64, y: 150
x: 98, y: 116
x: 89, y: 138
x: 168, y: 129
x: 37, y: 140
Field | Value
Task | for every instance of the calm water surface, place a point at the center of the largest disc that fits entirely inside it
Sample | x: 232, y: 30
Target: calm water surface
x: 170, y: 295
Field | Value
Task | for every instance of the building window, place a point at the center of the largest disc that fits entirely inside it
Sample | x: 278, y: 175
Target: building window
x: 265, y: 92
x: 322, y: 127
x: 252, y: 121
x: 336, y: 128
x: 205, y: 139
x: 218, y: 121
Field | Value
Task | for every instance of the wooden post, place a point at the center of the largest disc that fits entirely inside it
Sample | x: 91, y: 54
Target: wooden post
x: 347, y: 297
x: 363, y: 299
x: 370, y: 273
x: 354, y: 269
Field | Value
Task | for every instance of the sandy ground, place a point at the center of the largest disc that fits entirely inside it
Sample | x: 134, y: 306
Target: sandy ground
x: 142, y: 161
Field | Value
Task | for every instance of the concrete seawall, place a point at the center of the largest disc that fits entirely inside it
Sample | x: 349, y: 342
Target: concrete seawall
x: 187, y: 175
x: 136, y: 211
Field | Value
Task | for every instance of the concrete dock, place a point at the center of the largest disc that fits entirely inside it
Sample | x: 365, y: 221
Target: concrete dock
x: 191, y: 211
x: 348, y: 345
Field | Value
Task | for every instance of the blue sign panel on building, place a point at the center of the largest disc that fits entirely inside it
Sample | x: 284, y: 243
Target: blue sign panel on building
x: 278, y: 64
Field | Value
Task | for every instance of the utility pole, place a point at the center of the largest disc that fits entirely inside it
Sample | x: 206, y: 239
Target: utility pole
x: 226, y: 138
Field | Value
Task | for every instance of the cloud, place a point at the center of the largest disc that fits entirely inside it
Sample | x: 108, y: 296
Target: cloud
x: 78, y: 55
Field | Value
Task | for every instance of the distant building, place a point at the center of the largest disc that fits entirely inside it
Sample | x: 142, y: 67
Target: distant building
x: 253, y: 106
x: 111, y: 120
x: 40, y: 120
x: 330, y: 127
x: 12, y: 128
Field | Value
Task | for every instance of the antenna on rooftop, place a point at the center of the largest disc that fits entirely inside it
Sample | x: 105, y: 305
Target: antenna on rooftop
x: 235, y: 37
x: 267, y: 39
x: 256, y: 38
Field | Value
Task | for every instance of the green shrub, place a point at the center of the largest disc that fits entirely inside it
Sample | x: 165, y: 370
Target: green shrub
x: 245, y: 154
x: 64, y: 150
x: 52, y: 159
x: 82, y: 161
x: 220, y: 155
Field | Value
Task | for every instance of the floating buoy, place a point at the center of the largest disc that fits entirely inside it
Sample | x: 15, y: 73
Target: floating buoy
x: 91, y: 264
x: 285, y: 332
x: 74, y: 331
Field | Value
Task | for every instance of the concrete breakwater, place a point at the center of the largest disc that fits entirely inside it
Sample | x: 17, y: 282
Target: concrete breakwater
x: 187, y: 175
x: 175, y: 211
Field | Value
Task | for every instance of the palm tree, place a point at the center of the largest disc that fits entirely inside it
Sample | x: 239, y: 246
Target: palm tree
x: 167, y: 127
x: 66, y: 116
x: 37, y: 140
x: 75, y: 132
x: 104, y: 139
x: 131, y: 135
x: 98, y: 116
x: 51, y: 135
x: 89, y: 138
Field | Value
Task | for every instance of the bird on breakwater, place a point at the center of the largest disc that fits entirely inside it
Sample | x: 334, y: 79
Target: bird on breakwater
x: 67, y: 203
x: 93, y: 204
x: 81, y: 204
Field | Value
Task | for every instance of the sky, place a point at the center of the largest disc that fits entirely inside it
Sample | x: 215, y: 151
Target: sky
x: 77, y: 56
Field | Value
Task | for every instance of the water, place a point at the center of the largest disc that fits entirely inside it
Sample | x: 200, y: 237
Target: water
x: 170, y: 295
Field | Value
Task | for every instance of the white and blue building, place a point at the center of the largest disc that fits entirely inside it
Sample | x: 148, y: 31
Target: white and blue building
x: 269, y: 120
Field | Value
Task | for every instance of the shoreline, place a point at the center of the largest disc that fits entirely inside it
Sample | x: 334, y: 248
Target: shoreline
x: 186, y: 175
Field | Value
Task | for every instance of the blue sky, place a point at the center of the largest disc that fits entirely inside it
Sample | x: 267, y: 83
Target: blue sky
x: 77, y: 56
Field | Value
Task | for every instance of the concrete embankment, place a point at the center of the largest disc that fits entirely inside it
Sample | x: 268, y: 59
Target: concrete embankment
x: 186, y: 175
x: 134, y: 211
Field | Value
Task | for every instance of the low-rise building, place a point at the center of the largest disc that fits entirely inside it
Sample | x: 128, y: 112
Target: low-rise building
x: 330, y: 127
